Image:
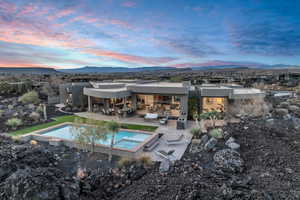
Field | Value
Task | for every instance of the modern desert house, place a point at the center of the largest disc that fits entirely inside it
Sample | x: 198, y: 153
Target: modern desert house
x: 126, y: 97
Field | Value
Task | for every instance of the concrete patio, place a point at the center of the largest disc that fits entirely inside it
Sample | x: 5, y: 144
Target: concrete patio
x: 168, y: 130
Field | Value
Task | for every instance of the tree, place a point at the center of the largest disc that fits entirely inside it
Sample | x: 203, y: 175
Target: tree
x: 212, y: 116
x: 86, y: 137
x: 5, y: 88
x: 30, y: 97
x: 113, y: 127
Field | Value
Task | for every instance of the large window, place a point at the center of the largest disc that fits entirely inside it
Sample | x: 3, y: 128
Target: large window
x: 214, y: 103
x: 163, y: 105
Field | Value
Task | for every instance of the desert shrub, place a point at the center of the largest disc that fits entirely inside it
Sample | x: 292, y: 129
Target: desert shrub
x: 145, y: 160
x: 216, y: 133
x: 126, y: 162
x: 196, y: 132
x: 14, y: 122
x: 10, y: 107
x: 5, y: 87
x: 35, y: 116
x: 30, y: 97
x: 297, y: 90
x: 251, y: 107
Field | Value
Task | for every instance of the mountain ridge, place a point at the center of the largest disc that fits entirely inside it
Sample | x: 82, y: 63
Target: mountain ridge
x: 95, y: 69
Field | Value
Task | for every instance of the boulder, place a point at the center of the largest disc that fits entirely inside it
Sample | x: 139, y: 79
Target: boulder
x: 281, y: 112
x: 284, y: 105
x: 35, y: 116
x: 230, y: 140
x: 210, y: 144
x: 294, y: 109
x: 296, y: 123
x: 228, y: 160
x: 233, y: 145
x: 204, y: 139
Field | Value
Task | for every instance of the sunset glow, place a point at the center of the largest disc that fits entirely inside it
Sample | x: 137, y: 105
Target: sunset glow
x: 135, y: 33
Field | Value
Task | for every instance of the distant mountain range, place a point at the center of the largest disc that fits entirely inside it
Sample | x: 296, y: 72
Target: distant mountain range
x: 94, y: 69
x: 28, y: 70
x: 89, y: 69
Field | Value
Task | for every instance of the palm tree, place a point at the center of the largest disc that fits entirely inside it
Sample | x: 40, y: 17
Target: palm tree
x: 113, y: 127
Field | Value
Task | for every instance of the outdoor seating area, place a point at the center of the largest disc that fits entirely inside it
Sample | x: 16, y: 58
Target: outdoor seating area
x: 116, y: 111
x: 168, y: 137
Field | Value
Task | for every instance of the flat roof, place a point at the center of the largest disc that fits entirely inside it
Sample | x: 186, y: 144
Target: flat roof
x: 247, y: 91
x: 161, y: 84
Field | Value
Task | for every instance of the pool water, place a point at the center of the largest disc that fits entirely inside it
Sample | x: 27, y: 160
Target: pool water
x: 123, y: 139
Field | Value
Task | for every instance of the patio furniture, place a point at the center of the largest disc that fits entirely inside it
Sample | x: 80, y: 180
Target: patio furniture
x: 175, y: 139
x: 166, y: 155
x: 152, y: 144
x: 163, y: 121
x: 151, y: 116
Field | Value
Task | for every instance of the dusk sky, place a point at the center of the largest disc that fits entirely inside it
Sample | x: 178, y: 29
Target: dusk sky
x: 138, y: 33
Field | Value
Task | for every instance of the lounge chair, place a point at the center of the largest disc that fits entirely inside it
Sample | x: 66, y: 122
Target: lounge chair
x: 152, y: 144
x: 176, y: 139
x: 167, y: 155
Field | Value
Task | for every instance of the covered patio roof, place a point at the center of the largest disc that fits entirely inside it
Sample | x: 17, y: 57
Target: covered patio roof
x: 107, y: 93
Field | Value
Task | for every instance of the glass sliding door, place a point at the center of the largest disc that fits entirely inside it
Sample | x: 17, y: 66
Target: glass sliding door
x: 161, y: 104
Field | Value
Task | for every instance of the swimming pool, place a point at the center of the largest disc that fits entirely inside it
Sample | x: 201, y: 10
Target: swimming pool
x: 124, y: 139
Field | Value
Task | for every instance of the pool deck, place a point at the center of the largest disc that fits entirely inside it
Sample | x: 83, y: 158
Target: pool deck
x: 168, y: 130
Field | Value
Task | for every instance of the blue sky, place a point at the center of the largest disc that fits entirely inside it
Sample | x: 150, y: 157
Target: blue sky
x: 131, y: 33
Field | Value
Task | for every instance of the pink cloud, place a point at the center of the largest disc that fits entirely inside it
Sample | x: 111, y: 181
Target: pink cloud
x: 27, y: 10
x: 8, y: 7
x: 130, y: 58
x: 39, y: 33
x: 85, y: 19
x: 62, y: 13
x: 129, y: 4
x: 120, y: 23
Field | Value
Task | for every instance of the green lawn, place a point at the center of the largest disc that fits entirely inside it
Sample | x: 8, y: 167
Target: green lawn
x: 71, y: 118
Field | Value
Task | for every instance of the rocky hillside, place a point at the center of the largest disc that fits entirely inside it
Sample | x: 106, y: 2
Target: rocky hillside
x: 265, y: 166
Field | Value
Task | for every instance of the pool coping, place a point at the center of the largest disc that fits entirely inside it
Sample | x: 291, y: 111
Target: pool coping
x: 37, y: 133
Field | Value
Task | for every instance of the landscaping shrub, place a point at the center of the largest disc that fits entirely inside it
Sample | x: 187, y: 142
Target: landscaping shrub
x: 14, y: 123
x: 145, y: 160
x: 126, y: 162
x: 10, y: 107
x: 216, y: 133
x: 30, y: 97
x: 196, y: 132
